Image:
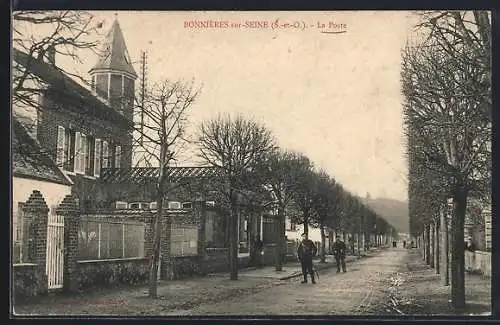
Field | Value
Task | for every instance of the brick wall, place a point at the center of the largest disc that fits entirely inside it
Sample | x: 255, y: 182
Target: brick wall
x: 49, y: 119
x: 30, y: 280
x: 105, y: 273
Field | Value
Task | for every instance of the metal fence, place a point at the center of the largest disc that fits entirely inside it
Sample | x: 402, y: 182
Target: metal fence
x: 110, y: 239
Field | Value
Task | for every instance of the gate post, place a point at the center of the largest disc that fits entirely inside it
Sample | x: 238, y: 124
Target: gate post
x: 71, y: 214
x: 37, y: 211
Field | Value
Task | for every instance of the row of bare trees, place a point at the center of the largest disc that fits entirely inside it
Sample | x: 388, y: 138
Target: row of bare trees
x: 244, y: 151
x: 251, y: 161
x: 446, y: 82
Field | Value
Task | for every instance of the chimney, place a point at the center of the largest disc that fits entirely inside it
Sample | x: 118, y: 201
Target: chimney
x: 51, y: 55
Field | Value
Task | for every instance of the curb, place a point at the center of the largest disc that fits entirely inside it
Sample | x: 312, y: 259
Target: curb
x: 323, y: 267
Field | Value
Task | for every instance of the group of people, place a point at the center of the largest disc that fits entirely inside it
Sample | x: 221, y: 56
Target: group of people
x: 306, y: 250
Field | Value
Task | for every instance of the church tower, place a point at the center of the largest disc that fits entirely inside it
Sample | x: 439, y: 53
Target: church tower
x: 113, y: 76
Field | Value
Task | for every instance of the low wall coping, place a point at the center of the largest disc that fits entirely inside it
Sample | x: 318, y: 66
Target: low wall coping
x: 110, y: 260
x: 18, y: 265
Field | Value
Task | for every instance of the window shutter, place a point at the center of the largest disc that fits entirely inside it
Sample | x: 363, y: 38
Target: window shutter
x: 83, y: 158
x: 105, y: 154
x: 97, y: 158
x: 77, y: 154
x: 60, y: 146
x: 118, y: 156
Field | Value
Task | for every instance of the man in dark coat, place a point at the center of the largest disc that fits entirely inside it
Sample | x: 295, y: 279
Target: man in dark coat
x: 305, y: 252
x: 339, y: 251
x: 258, y: 246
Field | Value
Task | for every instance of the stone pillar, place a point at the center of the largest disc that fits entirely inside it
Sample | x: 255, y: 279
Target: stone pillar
x: 36, y: 212
x: 71, y: 214
x: 200, y: 215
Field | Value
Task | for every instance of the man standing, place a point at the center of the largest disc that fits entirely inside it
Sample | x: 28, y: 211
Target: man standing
x: 305, y: 252
x: 258, y: 246
x: 339, y: 251
x: 351, y: 244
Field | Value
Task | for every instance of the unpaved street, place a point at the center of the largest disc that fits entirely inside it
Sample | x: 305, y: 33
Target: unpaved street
x: 348, y: 293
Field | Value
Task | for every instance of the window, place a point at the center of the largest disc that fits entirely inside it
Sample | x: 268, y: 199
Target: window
x: 23, y: 237
x: 89, y: 149
x: 97, y: 157
x: 118, y: 156
x: 67, y: 149
x: 60, y: 146
x: 105, y: 154
x: 79, y: 160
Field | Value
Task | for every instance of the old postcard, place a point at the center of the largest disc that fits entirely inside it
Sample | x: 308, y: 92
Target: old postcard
x: 251, y: 163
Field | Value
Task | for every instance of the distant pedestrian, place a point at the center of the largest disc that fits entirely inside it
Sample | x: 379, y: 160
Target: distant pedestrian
x: 351, y: 245
x: 339, y: 251
x: 305, y: 253
x: 404, y: 243
x: 258, y: 246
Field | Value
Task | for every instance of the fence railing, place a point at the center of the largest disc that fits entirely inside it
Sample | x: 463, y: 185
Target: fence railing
x: 478, y: 261
x: 184, y: 240
x: 102, y: 239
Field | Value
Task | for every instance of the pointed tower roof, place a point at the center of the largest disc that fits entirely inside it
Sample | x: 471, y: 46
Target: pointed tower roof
x: 114, y: 54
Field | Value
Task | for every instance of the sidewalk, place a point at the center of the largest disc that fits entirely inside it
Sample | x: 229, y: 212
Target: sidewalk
x: 173, y: 295
x: 417, y: 290
x: 293, y: 270
x: 134, y: 301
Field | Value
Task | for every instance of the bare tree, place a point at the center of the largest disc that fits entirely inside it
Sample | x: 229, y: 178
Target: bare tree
x: 163, y: 131
x: 36, y: 36
x: 324, y: 200
x: 281, y: 170
x: 235, y: 145
x: 60, y: 32
x: 303, y: 192
x: 447, y: 88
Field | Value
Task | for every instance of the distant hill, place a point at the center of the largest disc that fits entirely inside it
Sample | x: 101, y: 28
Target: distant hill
x: 394, y: 211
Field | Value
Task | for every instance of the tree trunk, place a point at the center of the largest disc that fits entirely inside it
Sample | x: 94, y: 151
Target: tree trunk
x: 155, y: 258
x: 358, y: 241
x: 422, y: 247
x: 323, y: 244
x: 233, y: 238
x: 432, y: 244
x: 437, y: 243
x: 330, y: 242
x: 457, y: 252
x: 281, y: 246
x: 445, y: 269
x: 306, y: 224
x: 251, y: 236
x: 427, y: 245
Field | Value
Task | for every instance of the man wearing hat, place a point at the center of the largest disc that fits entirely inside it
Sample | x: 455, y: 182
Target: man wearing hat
x: 339, y: 251
x: 305, y: 252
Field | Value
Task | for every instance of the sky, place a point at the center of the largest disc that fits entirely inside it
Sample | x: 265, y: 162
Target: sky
x: 335, y: 97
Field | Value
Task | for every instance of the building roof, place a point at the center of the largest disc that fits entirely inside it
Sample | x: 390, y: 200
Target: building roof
x: 114, y: 53
x: 141, y: 175
x: 62, y: 84
x: 29, y: 160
